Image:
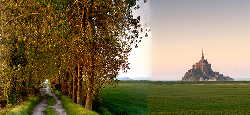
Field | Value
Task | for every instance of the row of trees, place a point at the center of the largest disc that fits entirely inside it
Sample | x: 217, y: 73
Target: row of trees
x: 82, y: 44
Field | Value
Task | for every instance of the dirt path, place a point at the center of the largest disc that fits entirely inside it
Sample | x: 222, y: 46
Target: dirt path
x: 58, y: 106
x: 41, y: 107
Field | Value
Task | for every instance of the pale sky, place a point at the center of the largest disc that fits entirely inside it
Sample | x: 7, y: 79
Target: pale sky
x: 140, y: 58
x: 181, y: 28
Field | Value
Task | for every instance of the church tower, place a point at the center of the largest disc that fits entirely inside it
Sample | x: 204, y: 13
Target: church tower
x: 202, y: 54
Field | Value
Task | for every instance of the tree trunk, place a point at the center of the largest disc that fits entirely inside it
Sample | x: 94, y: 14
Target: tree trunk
x: 88, y: 104
x: 90, y: 85
x: 79, y: 85
x: 74, y: 85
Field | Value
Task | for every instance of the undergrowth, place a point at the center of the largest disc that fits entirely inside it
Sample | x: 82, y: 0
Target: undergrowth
x: 50, y: 111
x: 24, y: 108
x: 71, y: 107
x: 51, y: 100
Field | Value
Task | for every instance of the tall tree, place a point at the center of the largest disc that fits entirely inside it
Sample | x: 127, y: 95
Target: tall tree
x: 90, y: 38
x: 14, y: 40
x: 28, y: 28
x: 103, y: 34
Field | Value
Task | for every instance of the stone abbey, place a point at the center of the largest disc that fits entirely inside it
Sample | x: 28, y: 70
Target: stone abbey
x: 203, y: 65
x: 202, y: 71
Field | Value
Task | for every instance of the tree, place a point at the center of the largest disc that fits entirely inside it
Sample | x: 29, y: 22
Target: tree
x: 102, y: 34
x: 13, y: 52
x: 88, y: 40
x: 24, y: 52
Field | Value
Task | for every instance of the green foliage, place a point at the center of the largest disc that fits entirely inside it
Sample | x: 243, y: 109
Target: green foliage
x: 19, y: 48
x: 6, y: 109
x: 199, y: 99
x: 51, y: 100
x: 103, y: 34
x: 50, y: 111
x: 57, y: 93
x: 105, y: 111
x: 71, y: 107
x: 126, y: 99
x: 25, y: 108
x: 48, y: 39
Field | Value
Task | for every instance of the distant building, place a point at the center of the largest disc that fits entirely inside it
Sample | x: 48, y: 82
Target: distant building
x: 203, y: 65
x: 202, y: 71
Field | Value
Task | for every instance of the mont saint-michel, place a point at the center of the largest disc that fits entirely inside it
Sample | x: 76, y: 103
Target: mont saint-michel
x: 201, y: 71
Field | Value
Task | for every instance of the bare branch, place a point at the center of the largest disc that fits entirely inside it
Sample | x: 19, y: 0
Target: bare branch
x: 19, y: 17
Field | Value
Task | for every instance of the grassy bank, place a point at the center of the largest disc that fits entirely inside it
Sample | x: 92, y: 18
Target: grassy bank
x: 24, y: 108
x: 71, y: 107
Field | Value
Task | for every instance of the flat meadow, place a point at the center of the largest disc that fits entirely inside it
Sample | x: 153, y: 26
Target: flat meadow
x: 163, y: 98
x: 129, y: 98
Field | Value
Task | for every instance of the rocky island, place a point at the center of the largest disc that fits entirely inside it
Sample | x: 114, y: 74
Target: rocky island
x: 201, y: 71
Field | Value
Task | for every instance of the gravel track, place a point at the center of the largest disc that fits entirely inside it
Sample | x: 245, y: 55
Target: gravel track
x: 41, y: 107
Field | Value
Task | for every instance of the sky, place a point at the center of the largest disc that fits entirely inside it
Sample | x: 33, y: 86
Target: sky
x: 140, y: 58
x: 182, y: 28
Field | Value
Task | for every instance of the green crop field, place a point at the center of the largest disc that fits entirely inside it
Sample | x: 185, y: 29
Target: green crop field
x: 198, y: 99
x: 162, y: 98
x: 127, y: 99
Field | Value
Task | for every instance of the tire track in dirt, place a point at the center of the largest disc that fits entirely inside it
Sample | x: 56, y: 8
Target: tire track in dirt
x: 41, y: 107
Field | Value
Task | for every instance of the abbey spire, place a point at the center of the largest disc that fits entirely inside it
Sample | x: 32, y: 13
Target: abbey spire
x: 202, y: 54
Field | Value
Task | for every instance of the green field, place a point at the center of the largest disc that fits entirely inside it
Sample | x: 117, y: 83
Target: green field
x: 178, y: 98
x: 127, y: 99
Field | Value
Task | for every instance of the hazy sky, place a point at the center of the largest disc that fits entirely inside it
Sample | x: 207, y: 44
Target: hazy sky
x: 140, y: 58
x: 181, y: 28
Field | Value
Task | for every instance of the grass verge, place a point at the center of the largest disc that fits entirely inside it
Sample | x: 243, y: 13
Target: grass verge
x: 50, y: 111
x: 68, y: 105
x: 24, y: 108
x: 51, y: 100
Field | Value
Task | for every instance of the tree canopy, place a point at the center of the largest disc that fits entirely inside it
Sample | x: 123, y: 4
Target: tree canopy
x: 79, y: 44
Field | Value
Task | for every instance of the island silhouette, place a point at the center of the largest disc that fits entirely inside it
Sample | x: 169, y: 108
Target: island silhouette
x: 202, y: 71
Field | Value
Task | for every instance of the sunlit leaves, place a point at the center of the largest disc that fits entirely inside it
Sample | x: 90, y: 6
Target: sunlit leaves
x: 23, y: 28
x: 101, y: 42
x: 48, y: 39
